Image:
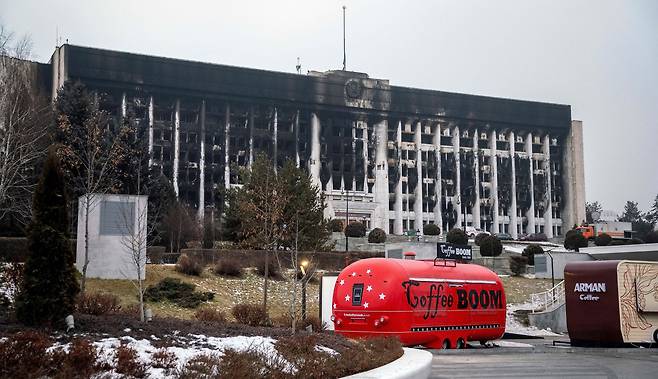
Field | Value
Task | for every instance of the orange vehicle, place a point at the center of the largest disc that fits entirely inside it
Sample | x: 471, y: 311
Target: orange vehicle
x: 615, y: 229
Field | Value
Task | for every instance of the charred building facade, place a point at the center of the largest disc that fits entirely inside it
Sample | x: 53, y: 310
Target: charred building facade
x: 404, y: 157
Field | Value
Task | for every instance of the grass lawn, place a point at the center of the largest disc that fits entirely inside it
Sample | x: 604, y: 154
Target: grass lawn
x: 518, y: 289
x: 228, y: 292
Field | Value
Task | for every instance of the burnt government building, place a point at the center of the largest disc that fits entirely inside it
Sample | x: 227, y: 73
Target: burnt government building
x: 404, y: 157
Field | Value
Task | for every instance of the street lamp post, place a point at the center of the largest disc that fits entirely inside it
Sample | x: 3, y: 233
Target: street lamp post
x: 304, y: 263
x: 347, y: 217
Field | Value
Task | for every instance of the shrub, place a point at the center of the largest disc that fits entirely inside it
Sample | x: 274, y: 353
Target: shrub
x: 335, y: 225
x: 490, y: 246
x: 250, y: 314
x: 163, y: 358
x: 178, y: 292
x: 368, y: 353
x: 635, y: 241
x: 208, y: 237
x: 517, y: 264
x: 530, y: 251
x: 80, y: 361
x: 97, y: 303
x: 377, y: 235
x: 574, y: 240
x: 479, y: 237
x: 355, y: 229
x: 189, y: 266
x: 228, y: 267
x: 617, y: 242
x: 210, y: 315
x: 652, y: 237
x: 128, y: 363
x: 315, y: 322
x: 431, y: 230
x: 242, y: 364
x: 23, y: 355
x: 272, y: 268
x: 202, y: 366
x: 457, y: 236
x: 11, y: 280
x: 155, y: 254
x: 603, y: 239
x: 536, y: 237
x: 300, y: 351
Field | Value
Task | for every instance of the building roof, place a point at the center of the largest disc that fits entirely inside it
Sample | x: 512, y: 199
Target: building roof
x: 328, y: 91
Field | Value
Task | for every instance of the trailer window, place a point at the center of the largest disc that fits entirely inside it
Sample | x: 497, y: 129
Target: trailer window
x: 357, y: 294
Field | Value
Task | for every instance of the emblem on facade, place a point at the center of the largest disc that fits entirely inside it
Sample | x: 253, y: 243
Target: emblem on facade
x: 354, y: 89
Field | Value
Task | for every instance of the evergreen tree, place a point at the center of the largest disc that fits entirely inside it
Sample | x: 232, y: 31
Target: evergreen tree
x: 49, y: 286
x: 631, y: 212
x: 305, y: 208
x: 652, y: 215
x: 161, y: 199
x: 131, y: 162
x: 231, y: 224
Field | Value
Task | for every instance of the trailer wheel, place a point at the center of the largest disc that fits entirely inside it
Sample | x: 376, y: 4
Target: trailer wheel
x: 446, y: 344
x: 460, y: 343
x: 655, y: 335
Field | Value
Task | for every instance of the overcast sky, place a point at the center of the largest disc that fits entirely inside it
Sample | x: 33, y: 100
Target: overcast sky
x: 601, y: 57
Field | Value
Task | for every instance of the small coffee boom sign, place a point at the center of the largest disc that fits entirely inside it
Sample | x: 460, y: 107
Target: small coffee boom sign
x: 446, y: 250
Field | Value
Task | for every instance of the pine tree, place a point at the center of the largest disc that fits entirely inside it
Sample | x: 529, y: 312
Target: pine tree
x: 305, y: 206
x: 652, y: 215
x: 162, y: 198
x: 50, y: 285
x: 631, y: 212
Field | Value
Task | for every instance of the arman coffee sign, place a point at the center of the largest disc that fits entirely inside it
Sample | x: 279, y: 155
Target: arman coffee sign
x: 446, y: 250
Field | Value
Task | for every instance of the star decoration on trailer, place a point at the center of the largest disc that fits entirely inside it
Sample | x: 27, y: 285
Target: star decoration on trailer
x: 368, y: 271
x: 365, y: 305
x: 369, y: 288
x: 347, y: 297
x: 354, y: 274
x: 381, y: 297
x: 342, y: 282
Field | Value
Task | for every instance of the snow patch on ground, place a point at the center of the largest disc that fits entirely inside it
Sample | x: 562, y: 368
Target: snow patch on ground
x: 502, y: 343
x: 192, y: 346
x: 512, y: 325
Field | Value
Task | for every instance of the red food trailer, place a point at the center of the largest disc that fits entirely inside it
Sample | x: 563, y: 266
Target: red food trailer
x: 437, y: 304
x: 612, y: 302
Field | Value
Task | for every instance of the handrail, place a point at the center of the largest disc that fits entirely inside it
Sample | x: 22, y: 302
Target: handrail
x: 544, y: 300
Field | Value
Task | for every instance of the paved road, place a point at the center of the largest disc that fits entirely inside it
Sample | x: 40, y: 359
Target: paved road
x: 550, y: 364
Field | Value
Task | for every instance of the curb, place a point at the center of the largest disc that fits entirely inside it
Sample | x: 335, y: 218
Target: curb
x: 546, y: 349
x: 414, y: 363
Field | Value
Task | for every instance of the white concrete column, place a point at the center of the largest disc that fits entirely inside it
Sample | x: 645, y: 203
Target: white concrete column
x: 418, y: 193
x: 123, y: 105
x: 227, y: 140
x: 251, y: 136
x: 573, y: 177
x: 275, y: 137
x: 457, y: 199
x: 397, y: 225
x: 514, y: 222
x: 548, y: 203
x: 438, y: 216
x: 476, y: 165
x: 381, y: 176
x: 176, y: 146
x: 365, y: 157
x: 353, y: 161
x: 296, y: 126
x: 494, y: 180
x: 151, y: 121
x: 202, y: 163
x: 314, y: 161
x: 531, y: 211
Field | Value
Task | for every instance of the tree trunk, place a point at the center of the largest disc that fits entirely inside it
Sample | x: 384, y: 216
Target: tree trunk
x: 267, y: 274
x: 86, y: 263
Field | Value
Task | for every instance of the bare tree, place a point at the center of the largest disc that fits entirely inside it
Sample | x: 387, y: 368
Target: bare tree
x: 88, y: 153
x: 135, y: 240
x: 24, y: 119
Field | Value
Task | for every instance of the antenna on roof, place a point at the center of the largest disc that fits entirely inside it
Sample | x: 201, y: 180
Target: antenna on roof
x: 299, y: 66
x: 344, y: 54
